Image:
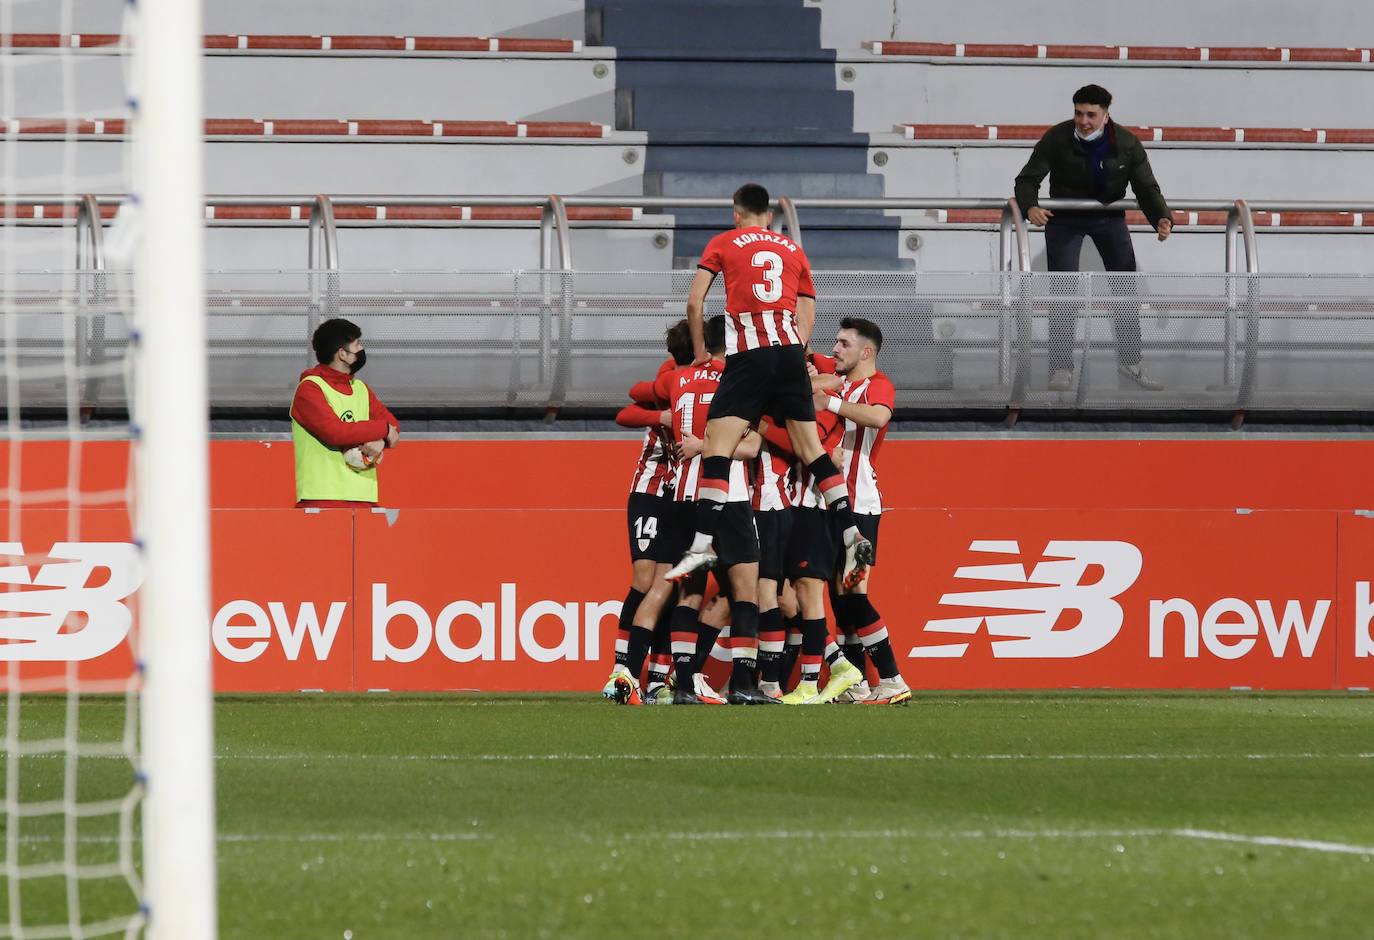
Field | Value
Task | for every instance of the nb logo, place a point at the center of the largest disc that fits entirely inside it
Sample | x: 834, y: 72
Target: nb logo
x: 1040, y: 599
x: 37, y: 608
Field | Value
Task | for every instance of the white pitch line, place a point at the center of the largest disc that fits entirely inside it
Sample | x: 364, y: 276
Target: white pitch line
x: 725, y: 835
x: 1311, y: 845
x: 521, y: 758
x: 931, y: 757
x: 811, y: 834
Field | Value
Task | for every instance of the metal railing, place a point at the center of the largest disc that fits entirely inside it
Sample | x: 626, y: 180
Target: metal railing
x: 559, y: 291
x: 555, y: 228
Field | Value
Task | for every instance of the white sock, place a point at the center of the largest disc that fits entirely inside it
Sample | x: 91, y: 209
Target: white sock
x: 700, y: 543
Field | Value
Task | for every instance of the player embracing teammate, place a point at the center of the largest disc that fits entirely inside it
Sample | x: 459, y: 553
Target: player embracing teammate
x: 764, y: 380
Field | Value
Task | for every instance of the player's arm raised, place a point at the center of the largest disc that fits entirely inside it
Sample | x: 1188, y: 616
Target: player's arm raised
x: 696, y: 315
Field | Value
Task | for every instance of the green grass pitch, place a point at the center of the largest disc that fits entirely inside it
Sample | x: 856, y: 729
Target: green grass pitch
x: 964, y: 815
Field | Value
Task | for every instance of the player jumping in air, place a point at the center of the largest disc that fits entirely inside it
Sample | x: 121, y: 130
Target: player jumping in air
x: 770, y: 311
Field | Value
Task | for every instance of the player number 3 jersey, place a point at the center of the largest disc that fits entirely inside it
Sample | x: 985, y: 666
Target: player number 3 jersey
x: 764, y: 274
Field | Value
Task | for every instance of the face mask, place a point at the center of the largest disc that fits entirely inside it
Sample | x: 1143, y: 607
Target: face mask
x: 1091, y: 137
x: 358, y: 363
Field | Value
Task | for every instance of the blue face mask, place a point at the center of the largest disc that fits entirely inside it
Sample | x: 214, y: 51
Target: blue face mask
x: 1091, y: 137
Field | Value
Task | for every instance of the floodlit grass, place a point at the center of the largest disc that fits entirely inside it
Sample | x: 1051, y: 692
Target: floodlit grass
x: 970, y: 815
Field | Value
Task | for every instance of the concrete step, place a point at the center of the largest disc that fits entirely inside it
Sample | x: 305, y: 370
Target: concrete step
x: 655, y: 108
x: 1163, y: 95
x: 1163, y: 22
x: 794, y: 184
x: 709, y: 25
x: 565, y: 89
x: 828, y: 248
x: 754, y: 161
x: 535, y: 18
x: 671, y: 70
x: 1198, y: 173
x: 269, y: 167
x: 824, y: 263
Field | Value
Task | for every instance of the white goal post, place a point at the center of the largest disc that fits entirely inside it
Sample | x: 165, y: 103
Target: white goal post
x: 171, y: 441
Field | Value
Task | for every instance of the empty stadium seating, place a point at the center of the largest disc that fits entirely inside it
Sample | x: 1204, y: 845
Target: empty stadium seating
x: 681, y: 98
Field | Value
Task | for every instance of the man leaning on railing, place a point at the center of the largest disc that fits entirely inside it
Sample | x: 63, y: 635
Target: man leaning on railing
x: 1092, y: 157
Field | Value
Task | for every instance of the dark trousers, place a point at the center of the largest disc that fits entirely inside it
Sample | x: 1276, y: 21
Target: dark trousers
x: 1064, y: 234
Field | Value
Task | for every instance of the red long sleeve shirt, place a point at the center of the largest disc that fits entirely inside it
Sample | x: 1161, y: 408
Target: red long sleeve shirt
x: 310, y: 410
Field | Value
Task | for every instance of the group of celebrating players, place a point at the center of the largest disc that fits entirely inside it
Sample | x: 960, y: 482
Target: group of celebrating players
x: 757, y: 467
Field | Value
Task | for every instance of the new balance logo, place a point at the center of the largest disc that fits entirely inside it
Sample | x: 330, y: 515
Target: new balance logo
x: 53, y: 614
x: 1040, y: 599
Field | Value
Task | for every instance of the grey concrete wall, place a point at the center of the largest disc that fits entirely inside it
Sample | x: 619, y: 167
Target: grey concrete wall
x: 846, y: 23
x: 558, y: 19
x: 891, y: 92
x: 334, y: 87
x: 1214, y: 173
x: 1185, y: 251
x: 267, y: 167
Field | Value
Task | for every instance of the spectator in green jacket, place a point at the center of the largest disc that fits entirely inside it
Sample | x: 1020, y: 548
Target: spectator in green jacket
x: 1092, y: 157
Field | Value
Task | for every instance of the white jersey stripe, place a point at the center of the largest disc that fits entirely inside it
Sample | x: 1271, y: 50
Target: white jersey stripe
x: 770, y: 326
x: 751, y: 333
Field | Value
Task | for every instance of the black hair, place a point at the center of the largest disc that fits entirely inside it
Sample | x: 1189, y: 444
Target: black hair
x: 679, y: 342
x: 865, y: 328
x: 715, y: 334
x: 752, y: 198
x: 331, y: 336
x: 1093, y: 94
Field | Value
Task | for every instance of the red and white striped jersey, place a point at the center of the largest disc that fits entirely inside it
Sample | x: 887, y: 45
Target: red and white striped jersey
x: 691, y: 389
x: 764, y: 274
x: 861, y: 444
x: 771, y: 480
x: 656, y: 467
x: 804, y: 492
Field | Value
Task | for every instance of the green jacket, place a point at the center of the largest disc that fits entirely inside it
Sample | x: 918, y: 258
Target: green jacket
x: 1071, y: 178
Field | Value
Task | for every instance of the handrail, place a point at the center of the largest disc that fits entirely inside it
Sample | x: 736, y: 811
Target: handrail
x: 323, y: 225
x: 88, y: 234
x: 788, y: 208
x: 1013, y: 221
x: 555, y: 216
x: 322, y: 254
x: 1239, y: 218
x: 90, y: 276
x: 324, y: 233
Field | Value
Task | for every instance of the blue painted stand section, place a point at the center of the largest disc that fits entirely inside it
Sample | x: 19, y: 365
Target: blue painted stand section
x: 736, y: 91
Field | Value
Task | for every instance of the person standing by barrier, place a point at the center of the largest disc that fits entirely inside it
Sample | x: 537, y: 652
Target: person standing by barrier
x: 1092, y: 157
x: 339, y: 427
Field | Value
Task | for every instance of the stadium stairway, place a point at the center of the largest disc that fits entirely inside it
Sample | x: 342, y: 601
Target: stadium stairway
x: 729, y: 91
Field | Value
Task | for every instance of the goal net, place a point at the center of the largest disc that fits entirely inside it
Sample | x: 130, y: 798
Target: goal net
x: 108, y: 821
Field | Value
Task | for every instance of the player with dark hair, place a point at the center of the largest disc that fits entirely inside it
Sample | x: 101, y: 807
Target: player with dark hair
x: 649, y: 512
x: 770, y: 309
x: 691, y: 390
x: 339, y: 427
x: 864, y: 404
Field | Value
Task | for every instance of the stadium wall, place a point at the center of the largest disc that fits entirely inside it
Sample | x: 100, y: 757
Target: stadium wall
x: 1003, y: 564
